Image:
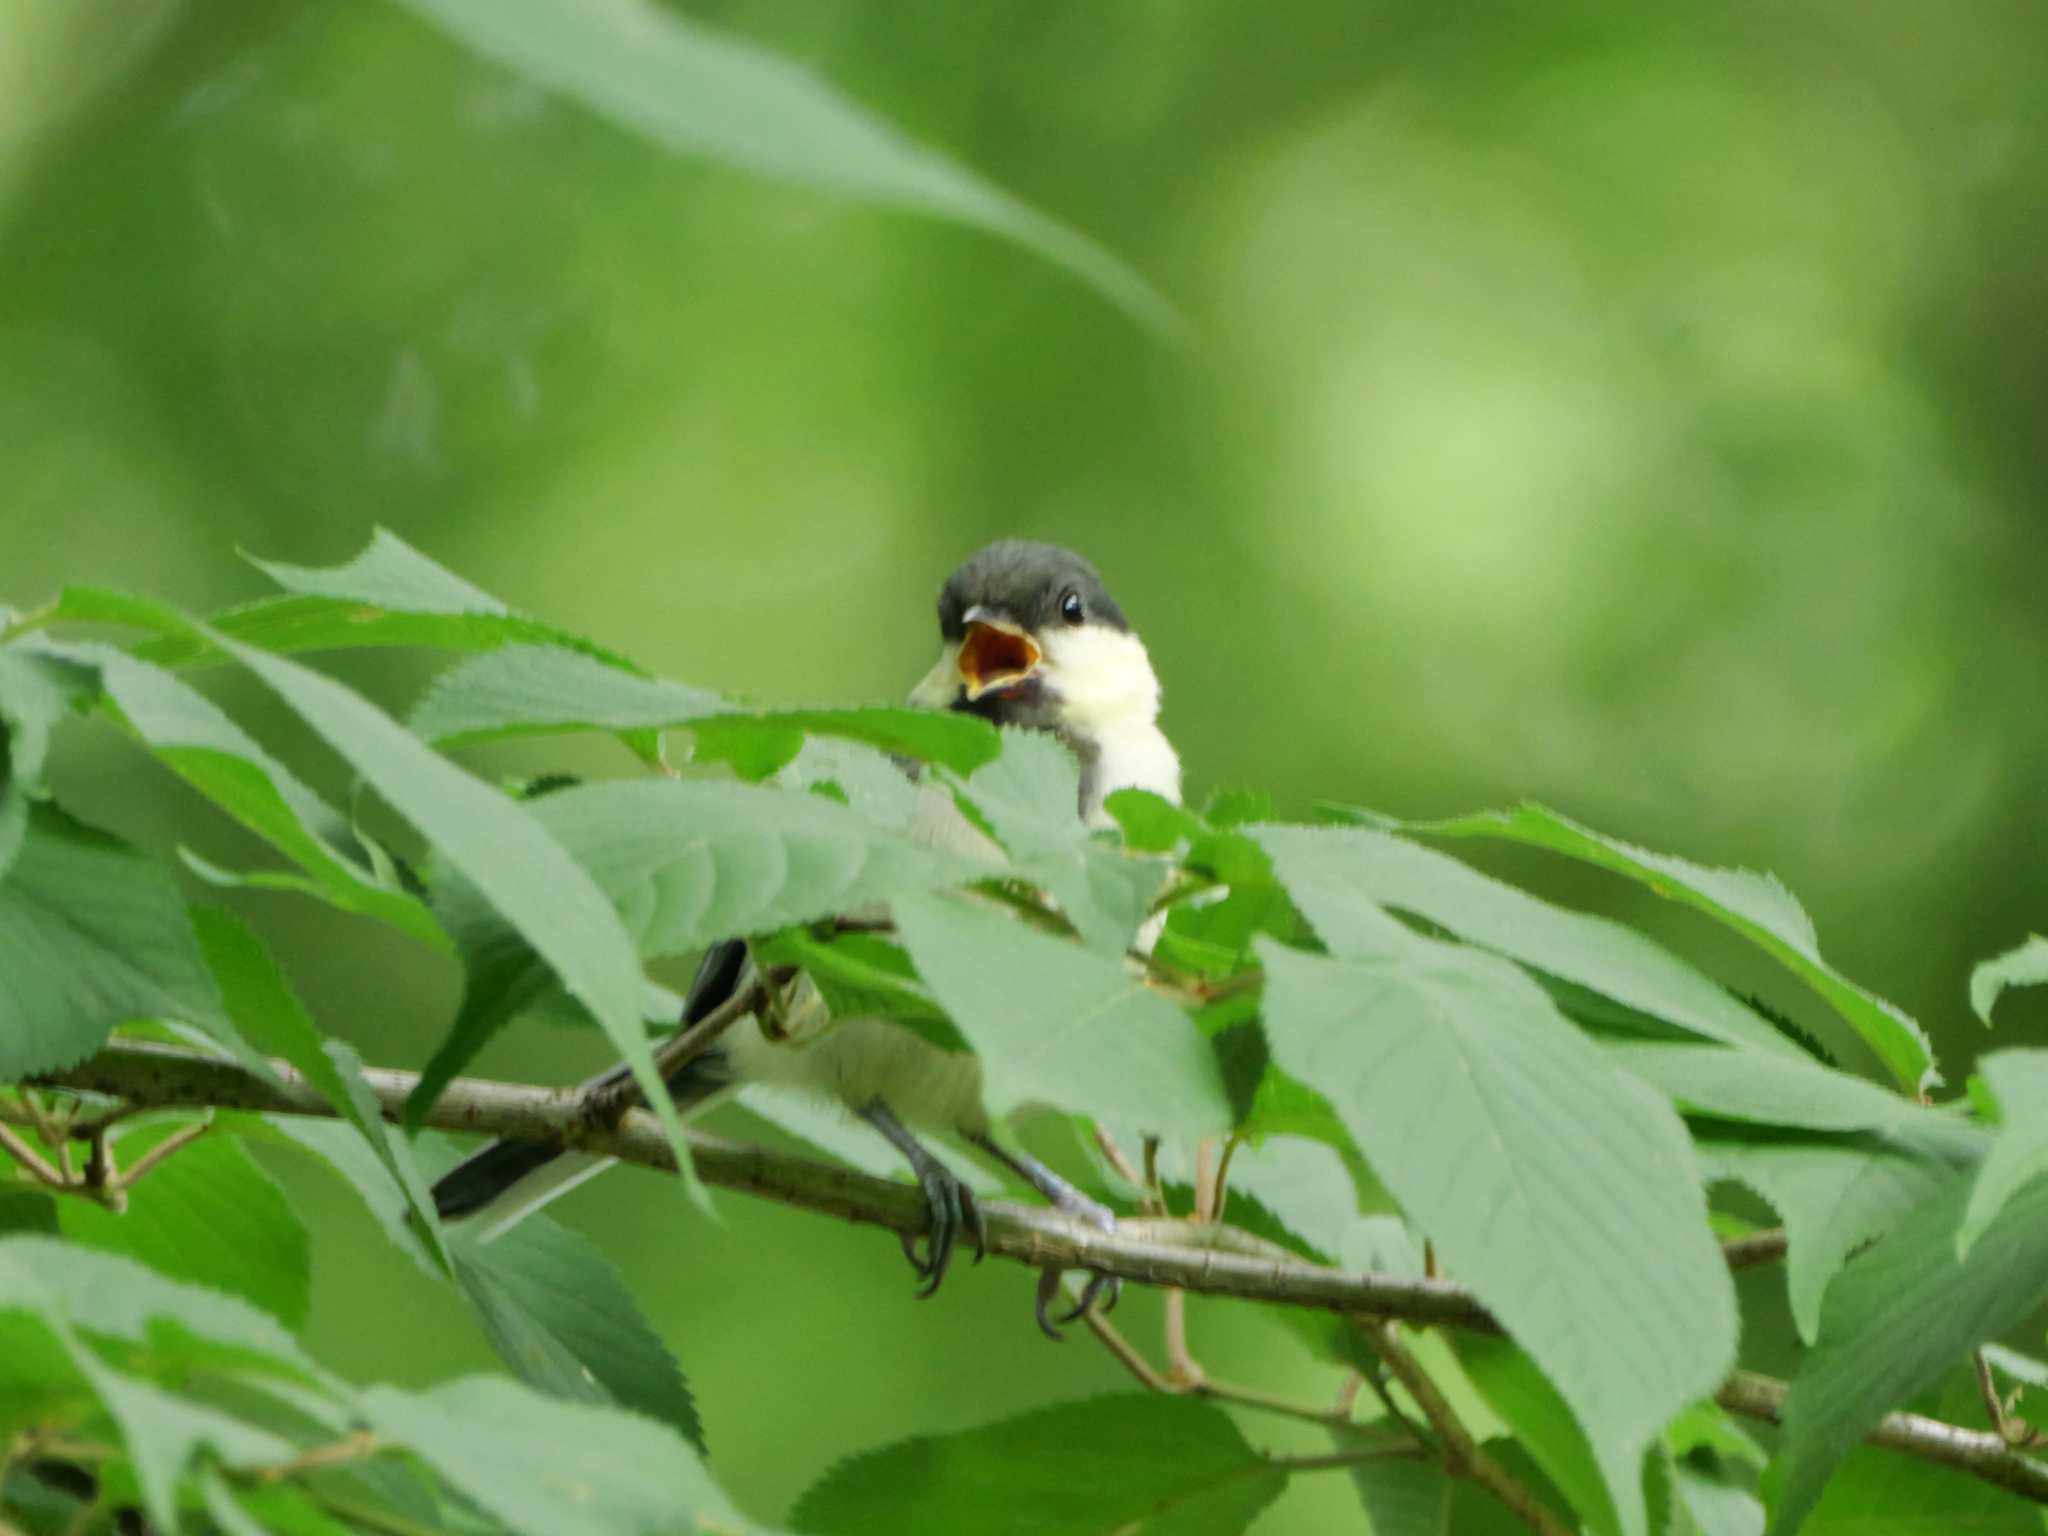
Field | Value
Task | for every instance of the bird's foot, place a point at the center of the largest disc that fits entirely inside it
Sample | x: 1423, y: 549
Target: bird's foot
x: 950, y: 1206
x: 1106, y: 1288
x: 1071, y: 1202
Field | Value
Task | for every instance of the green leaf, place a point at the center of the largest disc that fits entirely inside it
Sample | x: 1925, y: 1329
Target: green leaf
x: 1497, y: 1125
x: 389, y: 573
x: 1719, y: 1504
x: 829, y: 1129
x: 1215, y: 937
x: 526, y: 690
x: 260, y: 998
x: 550, y: 1468
x: 1057, y: 1024
x: 531, y: 689
x: 1127, y: 1463
x: 864, y: 976
x: 560, y: 1317
x: 771, y: 737
x: 36, y: 692
x: 1881, y: 1493
x: 696, y: 91
x: 868, y: 780
x: 1837, y: 1195
x: 26, y: 1210
x: 1238, y: 806
x: 376, y: 1162
x: 389, y: 595
x: 209, y: 1215
x: 1305, y: 1185
x: 499, y: 848
x: 2023, y: 966
x: 2020, y: 1152
x: 1541, y: 1421
x: 92, y: 934
x: 164, y: 1434
x: 112, y: 1295
x: 1593, y: 952
x: 1419, y: 1498
x: 684, y: 863
x: 1897, y: 1319
x: 1709, y: 1429
x: 1755, y: 906
x: 271, y: 1510
x: 189, y: 734
x: 1152, y: 823
x: 1030, y: 797
x: 165, y: 1330
x: 38, y: 1382
x: 1794, y: 1090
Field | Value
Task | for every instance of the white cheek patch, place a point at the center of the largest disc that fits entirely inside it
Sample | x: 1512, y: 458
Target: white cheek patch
x: 1103, y: 678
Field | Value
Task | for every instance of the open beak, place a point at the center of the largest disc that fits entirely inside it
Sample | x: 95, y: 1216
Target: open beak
x: 996, y: 654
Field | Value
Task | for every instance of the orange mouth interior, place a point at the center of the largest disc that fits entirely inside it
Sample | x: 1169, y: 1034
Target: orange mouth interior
x: 992, y: 657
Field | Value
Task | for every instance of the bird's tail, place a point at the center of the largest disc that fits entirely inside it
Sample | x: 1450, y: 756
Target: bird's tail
x: 506, y: 1181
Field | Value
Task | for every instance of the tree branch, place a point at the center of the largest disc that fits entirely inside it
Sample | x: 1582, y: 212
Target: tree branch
x: 1153, y: 1252
x: 1461, y: 1453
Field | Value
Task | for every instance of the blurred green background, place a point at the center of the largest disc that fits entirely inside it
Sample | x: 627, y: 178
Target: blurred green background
x: 1637, y: 411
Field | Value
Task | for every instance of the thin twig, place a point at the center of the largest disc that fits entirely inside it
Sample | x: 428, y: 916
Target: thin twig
x: 183, y: 1137
x: 1462, y: 1455
x: 31, y: 1161
x: 1156, y: 1190
x: 54, y: 1131
x: 1988, y: 1390
x: 1266, y: 1402
x: 1182, y: 1369
x: 1219, y: 1200
x: 350, y: 1447
x: 1181, y: 1366
x: 1347, y: 1395
x: 1114, y: 1155
x: 1973, y: 1451
x: 1396, y: 1414
x: 1162, y: 1253
x: 1126, y: 1354
x: 687, y: 1045
x: 2014, y: 1432
x: 1387, y: 1450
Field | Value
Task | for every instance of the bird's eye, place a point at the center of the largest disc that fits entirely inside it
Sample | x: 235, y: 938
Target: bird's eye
x: 1070, y: 606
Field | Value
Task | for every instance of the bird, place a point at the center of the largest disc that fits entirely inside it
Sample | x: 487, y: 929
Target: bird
x: 1031, y: 639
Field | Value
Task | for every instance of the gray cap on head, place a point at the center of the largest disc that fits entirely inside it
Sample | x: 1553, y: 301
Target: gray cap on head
x: 1029, y: 584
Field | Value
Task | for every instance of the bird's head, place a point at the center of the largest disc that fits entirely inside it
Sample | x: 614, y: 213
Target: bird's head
x: 1032, y: 638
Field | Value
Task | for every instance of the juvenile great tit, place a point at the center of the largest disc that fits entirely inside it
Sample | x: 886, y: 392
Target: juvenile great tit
x: 1030, y: 638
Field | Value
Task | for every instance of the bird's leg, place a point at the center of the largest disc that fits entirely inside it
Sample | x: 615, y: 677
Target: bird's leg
x: 1072, y: 1202
x: 948, y: 1202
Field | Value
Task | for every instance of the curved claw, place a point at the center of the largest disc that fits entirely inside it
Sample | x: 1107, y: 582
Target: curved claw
x: 948, y: 1203
x: 943, y: 1197
x: 1048, y: 1287
x: 1093, y: 1289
